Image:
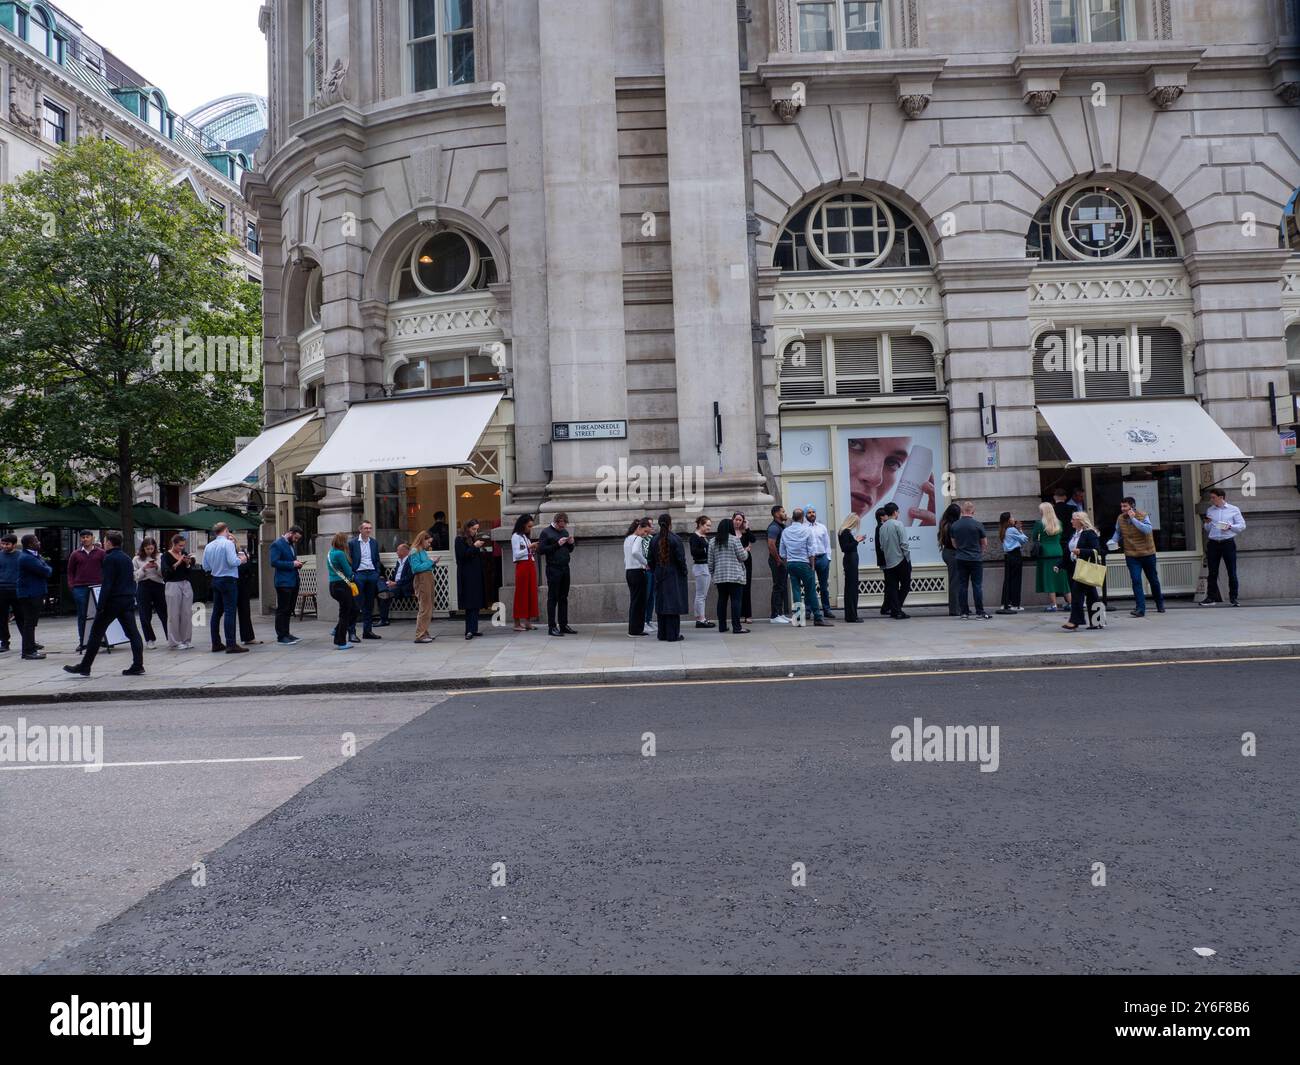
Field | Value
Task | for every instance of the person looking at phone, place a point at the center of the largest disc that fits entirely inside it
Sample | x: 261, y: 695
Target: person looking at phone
x: 469, y: 574
x: 555, y: 545
x: 1222, y: 523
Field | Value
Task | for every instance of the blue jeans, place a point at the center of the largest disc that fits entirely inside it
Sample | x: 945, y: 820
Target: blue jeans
x: 805, y: 586
x: 225, y: 602
x: 1136, y: 568
x: 824, y: 581
x: 81, y: 596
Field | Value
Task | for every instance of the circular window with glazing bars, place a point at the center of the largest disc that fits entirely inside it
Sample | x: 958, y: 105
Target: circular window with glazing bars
x: 850, y: 231
x: 444, y: 263
x: 1097, y: 221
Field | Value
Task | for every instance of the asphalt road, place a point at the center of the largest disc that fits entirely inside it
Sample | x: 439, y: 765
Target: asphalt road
x: 682, y: 862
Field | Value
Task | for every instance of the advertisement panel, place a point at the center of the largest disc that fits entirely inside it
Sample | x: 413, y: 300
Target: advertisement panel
x: 894, y: 464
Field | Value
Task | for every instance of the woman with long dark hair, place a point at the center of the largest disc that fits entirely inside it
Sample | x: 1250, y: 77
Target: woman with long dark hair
x: 747, y: 540
x: 949, y: 554
x: 524, y: 552
x: 469, y: 574
x: 672, y: 598
x: 150, y: 592
x: 634, y: 570
x: 339, y: 567
x: 726, y: 562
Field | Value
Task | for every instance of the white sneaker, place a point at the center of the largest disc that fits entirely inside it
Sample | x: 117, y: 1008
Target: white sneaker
x: 185, y: 647
x: 780, y: 619
x: 150, y: 645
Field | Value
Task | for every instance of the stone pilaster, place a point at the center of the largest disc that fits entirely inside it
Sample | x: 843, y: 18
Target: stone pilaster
x: 712, y: 327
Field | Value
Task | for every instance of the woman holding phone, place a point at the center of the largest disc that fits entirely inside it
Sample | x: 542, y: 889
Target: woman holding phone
x: 469, y: 574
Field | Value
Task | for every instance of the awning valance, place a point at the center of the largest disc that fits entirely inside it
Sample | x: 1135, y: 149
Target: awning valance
x: 423, y: 432
x: 1138, y: 433
x: 249, y: 460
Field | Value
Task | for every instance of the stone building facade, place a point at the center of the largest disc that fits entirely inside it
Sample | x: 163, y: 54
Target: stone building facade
x: 813, y: 248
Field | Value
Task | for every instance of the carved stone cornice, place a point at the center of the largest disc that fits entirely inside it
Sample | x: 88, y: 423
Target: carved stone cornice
x: 1039, y: 100
x: 913, y: 104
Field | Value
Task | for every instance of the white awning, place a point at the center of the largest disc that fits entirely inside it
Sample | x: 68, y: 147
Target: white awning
x: 423, y: 432
x: 1139, y: 433
x: 249, y: 460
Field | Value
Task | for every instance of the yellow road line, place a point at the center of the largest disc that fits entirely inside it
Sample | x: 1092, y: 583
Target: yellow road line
x: 875, y: 676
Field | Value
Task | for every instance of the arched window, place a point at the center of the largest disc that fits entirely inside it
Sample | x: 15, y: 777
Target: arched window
x: 850, y: 230
x: 1110, y: 362
x: 1099, y: 221
x: 444, y: 263
x: 315, y: 297
x: 40, y: 31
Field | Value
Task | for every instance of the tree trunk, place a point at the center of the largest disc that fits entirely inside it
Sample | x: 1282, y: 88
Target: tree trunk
x: 125, y: 489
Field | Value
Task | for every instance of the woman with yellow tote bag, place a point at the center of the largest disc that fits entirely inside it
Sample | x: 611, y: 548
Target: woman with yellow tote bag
x: 1086, y: 573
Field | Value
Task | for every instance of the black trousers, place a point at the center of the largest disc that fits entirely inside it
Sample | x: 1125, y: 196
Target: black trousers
x: 152, y: 598
x: 670, y: 627
x: 972, y: 573
x: 120, y: 610
x: 1013, y: 567
x: 851, y: 586
x: 342, y: 594
x: 950, y: 560
x: 780, y: 589
x: 1224, y: 551
x: 557, y: 597
x: 285, y: 599
x: 8, y: 602
x: 729, y: 594
x: 245, y: 601
x: 368, y: 584
x: 898, y: 584
x: 636, y: 610
x: 1082, y: 599
x: 27, y: 612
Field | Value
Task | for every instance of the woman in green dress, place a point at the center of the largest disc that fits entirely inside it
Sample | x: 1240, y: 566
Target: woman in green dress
x: 1050, y: 575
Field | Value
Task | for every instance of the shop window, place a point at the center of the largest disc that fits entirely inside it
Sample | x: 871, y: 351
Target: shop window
x: 841, y: 25
x: 858, y: 365
x: 1109, y: 363
x: 440, y: 43
x: 1162, y: 492
x: 444, y: 264
x: 1090, y: 21
x: 1293, y: 357
x: 1099, y: 222
x: 850, y: 231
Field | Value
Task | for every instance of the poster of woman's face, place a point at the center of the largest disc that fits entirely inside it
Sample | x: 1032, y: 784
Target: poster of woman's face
x: 900, y: 464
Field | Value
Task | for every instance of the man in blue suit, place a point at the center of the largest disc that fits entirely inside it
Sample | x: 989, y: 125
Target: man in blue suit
x: 363, y: 552
x: 8, y: 585
x: 286, y: 564
x: 32, y: 586
x: 117, y: 602
x: 401, y: 585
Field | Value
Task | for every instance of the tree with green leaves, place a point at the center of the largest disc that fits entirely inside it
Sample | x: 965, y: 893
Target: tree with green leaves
x: 129, y: 346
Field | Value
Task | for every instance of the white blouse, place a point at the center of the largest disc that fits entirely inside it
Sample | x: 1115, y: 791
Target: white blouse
x: 521, y: 548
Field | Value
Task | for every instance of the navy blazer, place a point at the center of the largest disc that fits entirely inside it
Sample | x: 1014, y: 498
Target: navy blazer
x: 354, y: 556
x: 406, y: 586
x: 34, y: 574
x: 283, y: 557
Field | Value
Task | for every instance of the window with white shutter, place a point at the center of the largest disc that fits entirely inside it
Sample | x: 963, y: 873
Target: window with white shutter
x: 1164, y: 366
x: 857, y: 366
x: 911, y: 365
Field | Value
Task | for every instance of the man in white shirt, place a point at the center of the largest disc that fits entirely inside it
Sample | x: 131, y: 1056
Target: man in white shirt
x: 821, y: 561
x: 364, y: 555
x: 1222, y: 523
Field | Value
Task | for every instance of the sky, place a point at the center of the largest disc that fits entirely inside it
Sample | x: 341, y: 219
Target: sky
x: 194, y: 50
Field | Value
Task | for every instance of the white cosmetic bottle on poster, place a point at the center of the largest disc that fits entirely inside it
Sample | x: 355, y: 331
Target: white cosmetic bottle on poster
x: 911, y: 482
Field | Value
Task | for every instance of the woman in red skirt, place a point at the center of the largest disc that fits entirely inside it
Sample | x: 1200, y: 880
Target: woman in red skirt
x: 524, y: 552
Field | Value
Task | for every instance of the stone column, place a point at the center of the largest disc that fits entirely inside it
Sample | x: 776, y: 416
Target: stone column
x: 584, y: 263
x: 986, y: 305
x: 712, y: 322
x: 529, y: 327
x: 1237, y: 303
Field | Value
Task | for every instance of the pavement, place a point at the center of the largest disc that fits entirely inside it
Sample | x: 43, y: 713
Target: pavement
x: 770, y: 829
x: 502, y: 658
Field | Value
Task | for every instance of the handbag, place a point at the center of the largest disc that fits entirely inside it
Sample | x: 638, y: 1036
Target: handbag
x: 1032, y: 549
x: 351, y: 584
x: 1089, y: 573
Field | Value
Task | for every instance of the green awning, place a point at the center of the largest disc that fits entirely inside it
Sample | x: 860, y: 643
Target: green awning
x: 17, y: 513
x: 206, y: 517
x: 152, y: 516
x: 82, y: 515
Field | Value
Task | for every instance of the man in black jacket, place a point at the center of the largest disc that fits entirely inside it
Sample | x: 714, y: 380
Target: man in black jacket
x: 117, y: 602
x: 401, y: 585
x: 556, y: 545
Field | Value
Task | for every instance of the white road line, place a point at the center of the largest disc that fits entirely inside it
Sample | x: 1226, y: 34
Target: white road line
x: 186, y: 761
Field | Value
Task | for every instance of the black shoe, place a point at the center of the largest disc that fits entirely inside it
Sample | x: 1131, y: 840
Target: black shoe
x: 35, y: 656
x: 856, y: 621
x: 828, y: 614
x: 554, y: 632
x: 568, y: 631
x: 382, y: 624
x: 1208, y: 602
x: 352, y: 637
x: 134, y: 671
x: 40, y: 647
x: 1161, y: 610
x: 1235, y: 603
x: 235, y: 649
x: 705, y: 625
x: 822, y: 623
x: 217, y: 648
x: 1137, y: 613
x: 80, y: 671
x: 81, y: 649
x: 469, y: 635
x: 677, y: 639
x: 739, y: 632
x: 371, y: 636
x: 900, y: 616
x: 1006, y: 610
